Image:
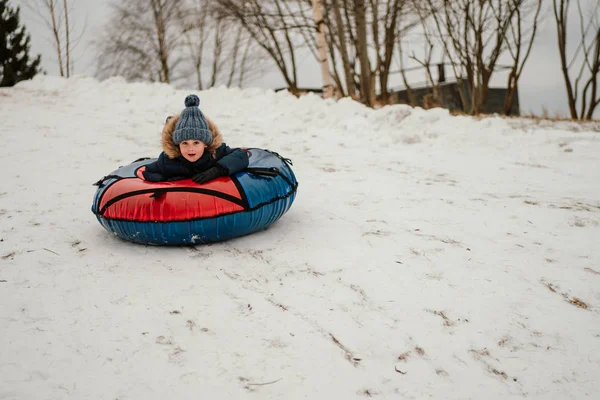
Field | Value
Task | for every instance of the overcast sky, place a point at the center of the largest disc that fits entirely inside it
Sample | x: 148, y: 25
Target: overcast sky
x: 541, y: 84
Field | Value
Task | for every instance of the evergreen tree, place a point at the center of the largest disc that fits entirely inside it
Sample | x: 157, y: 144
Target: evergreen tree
x: 15, y: 65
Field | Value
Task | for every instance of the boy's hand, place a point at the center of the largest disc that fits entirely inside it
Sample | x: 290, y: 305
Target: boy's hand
x: 209, y: 174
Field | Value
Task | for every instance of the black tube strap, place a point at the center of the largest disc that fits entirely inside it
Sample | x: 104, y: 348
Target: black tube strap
x: 286, y: 160
x: 272, y: 171
x: 100, y: 182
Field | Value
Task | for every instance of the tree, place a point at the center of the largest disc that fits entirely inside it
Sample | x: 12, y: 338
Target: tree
x: 322, y: 46
x: 142, y: 40
x: 14, y: 48
x: 365, y: 34
x: 273, y: 26
x: 340, y: 35
x: 424, y: 61
x: 358, y: 35
x: 473, y: 36
x: 585, y: 60
x: 56, y: 16
x: 385, y: 31
x: 519, y: 40
x: 215, y: 55
x: 367, y: 89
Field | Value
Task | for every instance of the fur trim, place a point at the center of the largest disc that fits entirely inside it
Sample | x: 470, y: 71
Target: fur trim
x: 172, y: 150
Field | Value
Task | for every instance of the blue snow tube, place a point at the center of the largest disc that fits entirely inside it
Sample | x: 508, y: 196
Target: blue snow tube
x: 183, y: 212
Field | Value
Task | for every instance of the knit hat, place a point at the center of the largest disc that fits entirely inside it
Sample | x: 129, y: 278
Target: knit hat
x: 192, y: 124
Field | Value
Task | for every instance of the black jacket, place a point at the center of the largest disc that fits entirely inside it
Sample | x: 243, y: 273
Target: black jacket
x: 167, y: 169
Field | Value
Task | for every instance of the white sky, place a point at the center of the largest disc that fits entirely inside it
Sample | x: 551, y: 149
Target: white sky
x: 540, y: 87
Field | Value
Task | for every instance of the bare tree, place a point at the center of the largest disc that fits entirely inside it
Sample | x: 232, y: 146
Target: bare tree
x: 352, y: 42
x: 426, y: 64
x: 273, y: 28
x: 385, y: 30
x: 67, y: 39
x: 195, y: 30
x: 519, y: 41
x: 323, y: 42
x: 424, y: 60
x: 409, y: 91
x: 361, y: 37
x: 342, y: 46
x: 473, y: 33
x: 365, y: 34
x: 367, y: 89
x: 322, y: 47
x: 213, y: 49
x: 586, y: 58
x: 55, y: 14
x: 142, y: 41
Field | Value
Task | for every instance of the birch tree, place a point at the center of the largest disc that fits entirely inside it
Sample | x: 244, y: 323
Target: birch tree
x: 322, y: 47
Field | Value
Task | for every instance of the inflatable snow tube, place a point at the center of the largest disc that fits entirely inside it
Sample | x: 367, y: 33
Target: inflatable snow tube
x: 183, y: 212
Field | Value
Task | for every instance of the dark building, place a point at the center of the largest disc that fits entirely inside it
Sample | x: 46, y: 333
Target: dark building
x: 448, y: 93
x: 302, y: 91
x: 449, y: 97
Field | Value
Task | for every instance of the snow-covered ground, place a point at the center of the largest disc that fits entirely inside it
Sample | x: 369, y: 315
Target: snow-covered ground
x: 425, y: 256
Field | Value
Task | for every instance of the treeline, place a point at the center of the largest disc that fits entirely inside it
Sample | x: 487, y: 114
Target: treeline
x: 226, y: 42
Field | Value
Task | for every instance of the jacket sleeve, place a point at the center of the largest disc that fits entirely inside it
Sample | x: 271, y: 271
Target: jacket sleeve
x: 153, y: 176
x: 233, y: 160
x: 164, y: 169
x: 153, y: 171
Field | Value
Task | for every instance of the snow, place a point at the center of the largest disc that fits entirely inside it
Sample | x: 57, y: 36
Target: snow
x: 425, y: 256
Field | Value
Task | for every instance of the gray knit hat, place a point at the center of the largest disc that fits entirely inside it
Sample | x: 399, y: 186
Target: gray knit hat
x: 192, y: 124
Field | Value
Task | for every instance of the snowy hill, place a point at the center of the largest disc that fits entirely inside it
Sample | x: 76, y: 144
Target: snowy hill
x: 425, y: 256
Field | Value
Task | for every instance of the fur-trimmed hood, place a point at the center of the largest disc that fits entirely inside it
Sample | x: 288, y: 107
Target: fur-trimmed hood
x: 172, y: 150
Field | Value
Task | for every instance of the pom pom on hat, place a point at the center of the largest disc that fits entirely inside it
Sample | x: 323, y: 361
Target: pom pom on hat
x: 192, y: 124
x: 192, y: 101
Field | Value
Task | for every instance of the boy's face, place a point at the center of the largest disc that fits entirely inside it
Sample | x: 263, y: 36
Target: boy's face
x: 192, y: 150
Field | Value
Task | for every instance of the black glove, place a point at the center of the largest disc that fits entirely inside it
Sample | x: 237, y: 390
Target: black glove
x: 209, y: 174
